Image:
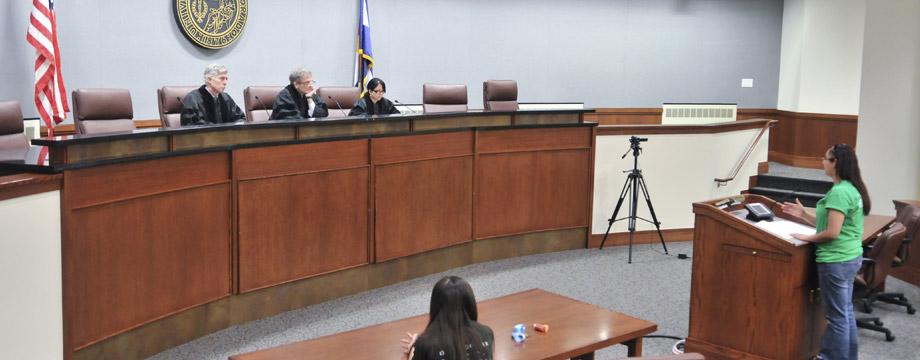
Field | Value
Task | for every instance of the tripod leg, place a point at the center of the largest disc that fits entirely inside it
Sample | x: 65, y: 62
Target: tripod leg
x: 633, y: 202
x: 615, y: 211
x: 651, y: 209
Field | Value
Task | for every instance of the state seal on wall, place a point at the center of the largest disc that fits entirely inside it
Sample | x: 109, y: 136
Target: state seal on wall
x: 211, y: 24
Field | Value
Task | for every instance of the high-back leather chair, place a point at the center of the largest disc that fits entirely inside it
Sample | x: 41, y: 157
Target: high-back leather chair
x: 871, y: 277
x: 339, y: 99
x: 909, y: 216
x: 258, y: 102
x: 499, y: 95
x: 443, y: 98
x: 11, y: 128
x: 102, y: 110
x: 170, y: 104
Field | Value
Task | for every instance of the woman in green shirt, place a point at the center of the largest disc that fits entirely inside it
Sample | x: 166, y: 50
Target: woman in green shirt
x: 838, y: 220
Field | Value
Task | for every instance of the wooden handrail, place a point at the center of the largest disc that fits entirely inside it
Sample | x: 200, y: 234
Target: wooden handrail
x: 750, y: 149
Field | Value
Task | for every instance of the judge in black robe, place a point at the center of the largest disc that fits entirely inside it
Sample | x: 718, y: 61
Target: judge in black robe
x: 299, y: 100
x: 210, y: 104
x: 373, y: 102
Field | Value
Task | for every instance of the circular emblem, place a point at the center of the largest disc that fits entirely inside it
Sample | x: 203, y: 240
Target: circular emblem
x: 211, y: 24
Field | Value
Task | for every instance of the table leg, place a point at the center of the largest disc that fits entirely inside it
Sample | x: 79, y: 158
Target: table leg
x: 634, y: 347
x: 588, y: 356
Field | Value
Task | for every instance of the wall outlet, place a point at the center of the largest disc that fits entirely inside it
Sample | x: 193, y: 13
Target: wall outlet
x: 747, y: 83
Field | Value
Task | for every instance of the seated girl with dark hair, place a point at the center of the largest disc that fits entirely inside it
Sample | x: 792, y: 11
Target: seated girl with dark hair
x: 452, y: 332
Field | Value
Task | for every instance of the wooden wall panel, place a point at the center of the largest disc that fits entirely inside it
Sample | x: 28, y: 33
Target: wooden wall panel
x: 422, y: 205
x: 143, y: 178
x: 422, y: 147
x: 134, y: 261
x: 293, y: 227
x: 625, y: 116
x: 299, y: 158
x: 533, y: 139
x: 531, y: 191
x: 194, y: 323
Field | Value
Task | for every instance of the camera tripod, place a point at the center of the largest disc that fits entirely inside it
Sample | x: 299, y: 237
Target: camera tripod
x: 634, y: 183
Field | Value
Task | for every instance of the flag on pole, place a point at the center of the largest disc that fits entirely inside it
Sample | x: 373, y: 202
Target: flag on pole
x: 50, y: 95
x: 364, y: 56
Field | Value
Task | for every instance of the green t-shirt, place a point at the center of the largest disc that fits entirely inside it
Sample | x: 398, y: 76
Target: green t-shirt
x: 845, y: 198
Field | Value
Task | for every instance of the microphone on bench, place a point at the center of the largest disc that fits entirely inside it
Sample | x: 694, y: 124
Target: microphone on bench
x: 263, y: 108
x: 338, y: 105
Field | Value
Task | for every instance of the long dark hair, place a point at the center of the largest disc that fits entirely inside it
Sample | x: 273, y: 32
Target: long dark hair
x: 450, y: 325
x: 847, y: 168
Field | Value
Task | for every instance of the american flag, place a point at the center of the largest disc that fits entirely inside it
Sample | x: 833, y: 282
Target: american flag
x: 50, y: 95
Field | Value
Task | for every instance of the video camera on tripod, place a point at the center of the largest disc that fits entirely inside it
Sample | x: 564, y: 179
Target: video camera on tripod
x: 635, y: 183
x: 634, y: 146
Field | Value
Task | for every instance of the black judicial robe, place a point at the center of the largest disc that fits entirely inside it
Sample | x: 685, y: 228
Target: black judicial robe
x: 365, y: 106
x: 291, y: 104
x: 199, y: 108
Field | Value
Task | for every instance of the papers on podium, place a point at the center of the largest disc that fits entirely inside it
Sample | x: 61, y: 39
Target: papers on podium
x: 784, y: 229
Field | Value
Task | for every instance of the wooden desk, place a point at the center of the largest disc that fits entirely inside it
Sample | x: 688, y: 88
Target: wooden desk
x: 873, y: 225
x: 577, y: 329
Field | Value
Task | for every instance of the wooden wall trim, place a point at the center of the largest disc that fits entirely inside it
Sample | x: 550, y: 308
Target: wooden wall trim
x: 798, y: 139
x: 682, y: 129
x: 818, y: 116
x: 641, y: 237
x: 13, y: 186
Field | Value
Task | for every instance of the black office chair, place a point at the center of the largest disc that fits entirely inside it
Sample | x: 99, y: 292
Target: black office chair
x: 872, y: 276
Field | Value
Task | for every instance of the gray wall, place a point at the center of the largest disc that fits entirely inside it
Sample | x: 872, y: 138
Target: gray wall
x: 606, y: 53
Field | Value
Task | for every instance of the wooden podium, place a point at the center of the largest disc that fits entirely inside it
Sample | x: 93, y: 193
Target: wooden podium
x: 754, y: 294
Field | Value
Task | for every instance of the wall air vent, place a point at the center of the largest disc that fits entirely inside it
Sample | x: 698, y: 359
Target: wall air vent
x: 691, y: 114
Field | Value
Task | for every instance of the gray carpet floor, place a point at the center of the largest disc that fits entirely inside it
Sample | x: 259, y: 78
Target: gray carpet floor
x: 655, y: 287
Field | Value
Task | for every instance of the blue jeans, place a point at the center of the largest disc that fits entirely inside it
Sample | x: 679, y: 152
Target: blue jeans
x: 836, y: 281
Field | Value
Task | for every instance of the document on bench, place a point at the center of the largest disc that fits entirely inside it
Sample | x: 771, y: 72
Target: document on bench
x: 785, y: 228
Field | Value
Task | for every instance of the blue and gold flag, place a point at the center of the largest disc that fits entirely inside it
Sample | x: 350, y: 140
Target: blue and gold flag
x: 364, y: 56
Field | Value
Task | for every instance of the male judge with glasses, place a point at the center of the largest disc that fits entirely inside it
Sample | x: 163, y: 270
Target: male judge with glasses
x: 299, y: 100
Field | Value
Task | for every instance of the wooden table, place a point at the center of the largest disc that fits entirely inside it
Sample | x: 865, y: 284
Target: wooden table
x: 577, y: 329
x: 874, y: 224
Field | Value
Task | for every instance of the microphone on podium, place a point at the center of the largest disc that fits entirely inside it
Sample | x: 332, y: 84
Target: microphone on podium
x: 337, y: 105
x: 263, y: 108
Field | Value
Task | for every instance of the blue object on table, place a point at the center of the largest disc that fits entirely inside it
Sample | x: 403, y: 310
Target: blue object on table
x: 519, y: 334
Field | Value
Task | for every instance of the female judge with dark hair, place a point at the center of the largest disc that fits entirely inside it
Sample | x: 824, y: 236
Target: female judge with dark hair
x: 838, y: 220
x: 373, y: 102
x: 452, y: 332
